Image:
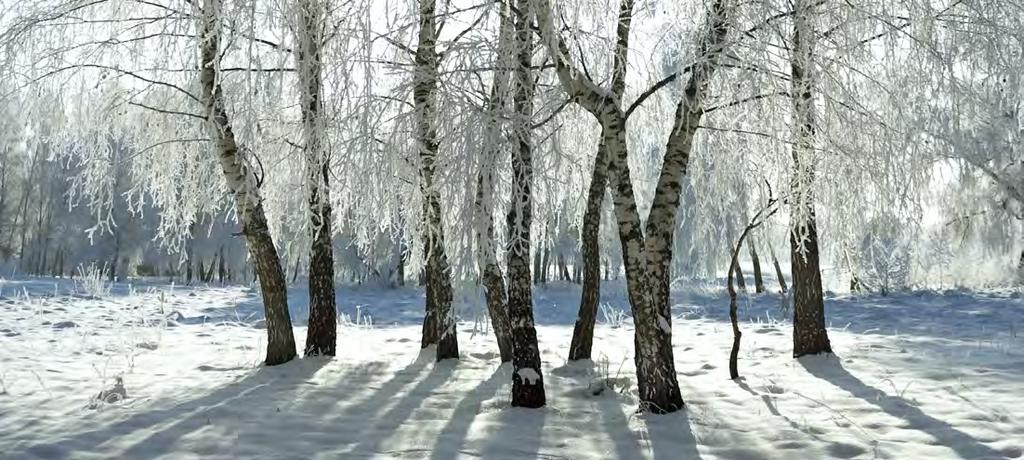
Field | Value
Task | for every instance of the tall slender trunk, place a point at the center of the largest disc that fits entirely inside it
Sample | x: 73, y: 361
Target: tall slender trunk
x: 582, y: 343
x: 583, y: 332
x: 3, y: 187
x: 809, y: 334
x: 758, y: 278
x: 490, y: 271
x: 243, y: 185
x: 439, y: 322
x: 400, y: 281
x: 29, y: 184
x: 527, y: 377
x: 221, y: 270
x: 536, y: 266
x: 321, y: 335
x: 545, y: 265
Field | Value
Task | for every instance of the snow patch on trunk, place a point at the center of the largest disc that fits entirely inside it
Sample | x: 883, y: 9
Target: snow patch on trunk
x: 529, y: 375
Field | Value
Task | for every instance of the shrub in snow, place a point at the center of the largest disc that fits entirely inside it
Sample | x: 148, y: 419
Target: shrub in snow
x: 885, y: 255
x: 603, y: 380
x: 91, y: 281
x: 612, y: 316
x: 111, y: 395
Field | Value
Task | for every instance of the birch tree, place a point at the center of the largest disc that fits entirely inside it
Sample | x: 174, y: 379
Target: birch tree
x: 809, y: 334
x: 527, y: 378
x: 647, y: 252
x: 491, y: 275
x: 243, y: 185
x: 439, y: 322
x: 321, y: 336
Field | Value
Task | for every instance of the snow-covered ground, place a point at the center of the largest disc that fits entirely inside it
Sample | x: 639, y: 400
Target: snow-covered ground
x: 916, y: 375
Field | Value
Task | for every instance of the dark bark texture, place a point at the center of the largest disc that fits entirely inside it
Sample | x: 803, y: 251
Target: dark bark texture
x: 243, y: 185
x: 758, y: 278
x: 439, y: 322
x: 321, y: 335
x: 527, y: 378
x: 809, y: 334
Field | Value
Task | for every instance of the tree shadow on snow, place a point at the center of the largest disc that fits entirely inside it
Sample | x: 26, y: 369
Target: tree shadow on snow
x: 670, y: 436
x: 157, y: 431
x: 379, y: 427
x: 517, y: 433
x: 830, y: 368
x: 451, y: 440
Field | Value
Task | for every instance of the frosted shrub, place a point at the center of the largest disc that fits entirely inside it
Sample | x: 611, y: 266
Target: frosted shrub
x: 361, y: 319
x: 91, y: 281
x: 604, y: 380
x: 612, y: 316
x: 885, y: 256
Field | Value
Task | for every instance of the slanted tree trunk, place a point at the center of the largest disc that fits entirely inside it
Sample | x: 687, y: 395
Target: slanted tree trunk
x: 734, y: 260
x: 245, y: 190
x: 439, y: 322
x: 809, y: 334
x: 741, y: 283
x: 321, y: 335
x: 778, y: 270
x: 758, y: 279
x: 527, y: 377
x: 209, y: 272
x: 583, y: 332
x: 490, y: 272
x: 661, y: 222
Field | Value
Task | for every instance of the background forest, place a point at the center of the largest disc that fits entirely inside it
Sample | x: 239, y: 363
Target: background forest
x: 503, y: 167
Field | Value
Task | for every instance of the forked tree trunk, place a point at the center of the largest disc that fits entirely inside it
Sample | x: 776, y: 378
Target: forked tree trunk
x: 527, y: 377
x: 243, y: 185
x: 758, y: 278
x: 321, y: 335
x: 646, y: 255
x: 809, y: 334
x: 439, y: 322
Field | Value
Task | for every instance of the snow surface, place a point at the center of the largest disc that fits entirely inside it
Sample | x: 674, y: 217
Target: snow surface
x: 917, y: 375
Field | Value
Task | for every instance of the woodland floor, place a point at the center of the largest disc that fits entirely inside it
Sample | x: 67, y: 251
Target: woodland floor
x: 916, y: 375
